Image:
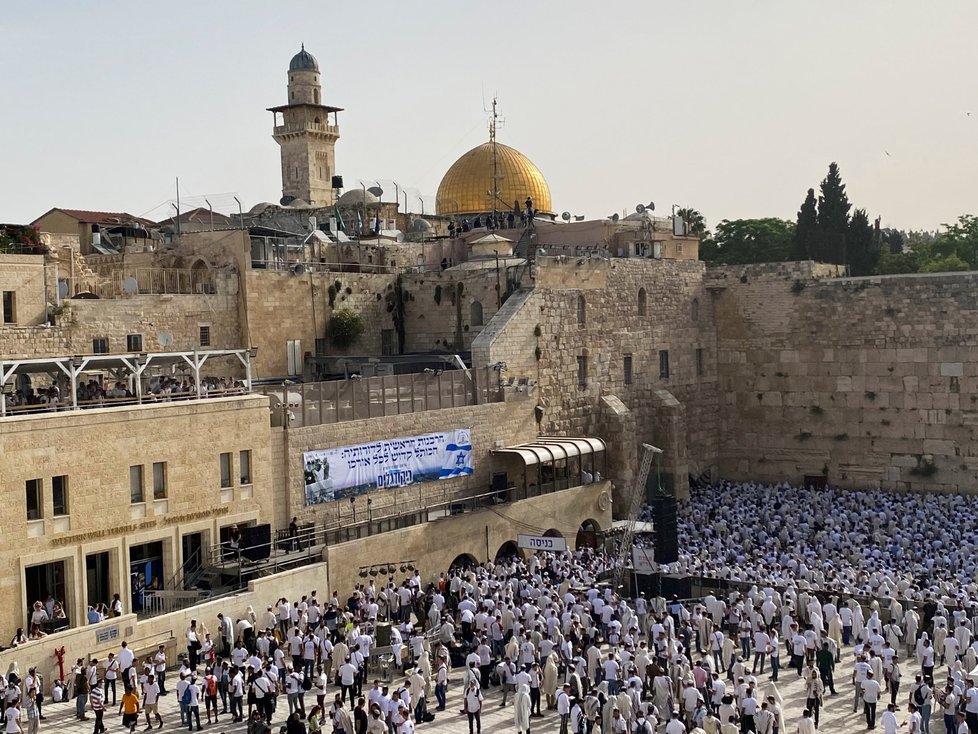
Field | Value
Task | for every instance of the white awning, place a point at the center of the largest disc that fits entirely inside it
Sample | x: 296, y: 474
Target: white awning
x: 548, y: 449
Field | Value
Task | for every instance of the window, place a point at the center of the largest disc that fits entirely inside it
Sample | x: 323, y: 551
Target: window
x: 35, y: 507
x: 475, y: 313
x: 134, y: 343
x: 663, y: 363
x: 100, y: 345
x: 9, y: 307
x: 699, y: 362
x: 136, y: 485
x: 59, y: 494
x: 159, y: 480
x: 225, y: 471
x: 582, y: 371
x: 581, y: 310
x: 696, y: 309
x: 642, y: 306
x: 205, y: 335
x: 244, y: 458
x: 627, y: 364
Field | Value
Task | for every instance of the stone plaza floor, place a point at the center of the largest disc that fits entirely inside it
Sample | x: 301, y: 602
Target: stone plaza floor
x: 836, y: 716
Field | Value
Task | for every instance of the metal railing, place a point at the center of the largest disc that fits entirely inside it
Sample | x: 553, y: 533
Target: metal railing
x: 63, y: 404
x: 154, y: 281
x: 336, y: 401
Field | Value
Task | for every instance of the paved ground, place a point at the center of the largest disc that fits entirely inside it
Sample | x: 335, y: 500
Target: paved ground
x: 837, y: 715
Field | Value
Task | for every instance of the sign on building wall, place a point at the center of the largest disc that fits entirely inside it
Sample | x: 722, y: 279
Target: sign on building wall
x: 541, y: 543
x: 347, y: 471
x: 643, y: 561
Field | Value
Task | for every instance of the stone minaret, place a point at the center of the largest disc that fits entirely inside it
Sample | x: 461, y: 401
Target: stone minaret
x: 307, y: 131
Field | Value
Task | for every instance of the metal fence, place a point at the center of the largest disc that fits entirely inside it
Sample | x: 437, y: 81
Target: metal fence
x: 155, y: 281
x: 335, y: 401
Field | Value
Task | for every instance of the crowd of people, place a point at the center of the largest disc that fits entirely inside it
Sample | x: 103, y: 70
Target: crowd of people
x: 549, y: 637
x: 835, y: 540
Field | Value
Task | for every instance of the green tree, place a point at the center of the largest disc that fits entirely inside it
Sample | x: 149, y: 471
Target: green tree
x: 959, y: 240
x: 805, y: 229
x: 833, y: 219
x: 863, y: 244
x: 695, y: 222
x: 899, y: 263
x: 743, y: 241
x: 944, y: 265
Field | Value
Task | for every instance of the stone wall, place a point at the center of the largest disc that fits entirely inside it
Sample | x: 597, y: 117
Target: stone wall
x: 478, y: 534
x: 492, y: 425
x: 282, y: 307
x: 439, y: 317
x: 23, y: 275
x: 870, y: 382
x: 539, y: 335
x: 94, y: 450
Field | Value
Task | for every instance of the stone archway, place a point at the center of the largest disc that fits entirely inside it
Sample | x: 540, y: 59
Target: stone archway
x: 507, y: 550
x: 462, y: 562
x: 553, y: 533
x: 587, y: 534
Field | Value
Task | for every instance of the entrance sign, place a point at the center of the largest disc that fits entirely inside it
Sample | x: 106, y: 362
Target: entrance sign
x: 348, y: 471
x: 541, y: 542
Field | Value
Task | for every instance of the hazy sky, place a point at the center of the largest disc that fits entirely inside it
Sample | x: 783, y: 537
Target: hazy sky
x: 730, y: 106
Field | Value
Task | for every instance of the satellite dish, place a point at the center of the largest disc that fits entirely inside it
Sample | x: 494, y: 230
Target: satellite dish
x: 165, y: 339
x: 566, y: 216
x: 286, y: 200
x: 130, y: 286
x: 614, y: 217
x: 376, y: 191
x: 298, y: 269
x: 640, y: 209
x: 62, y: 289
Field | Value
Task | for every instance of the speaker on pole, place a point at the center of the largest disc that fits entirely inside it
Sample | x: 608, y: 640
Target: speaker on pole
x: 664, y: 519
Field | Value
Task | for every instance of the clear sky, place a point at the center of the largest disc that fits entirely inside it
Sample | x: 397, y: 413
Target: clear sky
x: 734, y: 107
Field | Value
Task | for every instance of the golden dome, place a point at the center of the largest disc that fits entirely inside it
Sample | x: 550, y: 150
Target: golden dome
x: 465, y: 187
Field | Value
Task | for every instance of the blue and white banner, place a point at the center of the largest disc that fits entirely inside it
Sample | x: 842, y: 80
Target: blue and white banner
x: 347, y: 471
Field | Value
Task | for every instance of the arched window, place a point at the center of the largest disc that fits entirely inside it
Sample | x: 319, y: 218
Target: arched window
x: 315, y: 94
x: 316, y: 120
x: 475, y: 314
x: 581, y: 310
x: 642, y: 307
x: 696, y: 309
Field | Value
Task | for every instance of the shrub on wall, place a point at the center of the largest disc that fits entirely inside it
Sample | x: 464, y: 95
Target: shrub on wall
x: 345, y: 328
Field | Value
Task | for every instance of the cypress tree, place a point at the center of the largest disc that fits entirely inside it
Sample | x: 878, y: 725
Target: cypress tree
x: 833, y: 218
x: 804, y: 232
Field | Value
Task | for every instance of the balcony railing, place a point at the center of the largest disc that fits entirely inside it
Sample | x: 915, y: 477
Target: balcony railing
x: 335, y: 401
x: 155, y: 281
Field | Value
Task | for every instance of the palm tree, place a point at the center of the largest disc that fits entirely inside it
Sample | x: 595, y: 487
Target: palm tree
x: 695, y: 223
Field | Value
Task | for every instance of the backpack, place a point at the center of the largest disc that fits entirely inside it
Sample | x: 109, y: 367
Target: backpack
x: 185, y: 698
x: 918, y: 696
x: 307, y: 683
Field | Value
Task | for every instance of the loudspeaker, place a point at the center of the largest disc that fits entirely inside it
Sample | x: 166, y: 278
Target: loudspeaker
x: 337, y: 182
x: 664, y: 511
x: 382, y: 635
x: 256, y: 542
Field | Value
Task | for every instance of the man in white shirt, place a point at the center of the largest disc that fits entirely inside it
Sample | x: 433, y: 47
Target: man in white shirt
x: 675, y: 726
x: 871, y: 696
x: 806, y: 725
x: 889, y: 720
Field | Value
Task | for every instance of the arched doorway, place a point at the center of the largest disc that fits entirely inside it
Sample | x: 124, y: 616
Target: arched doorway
x: 553, y: 533
x: 507, y: 550
x: 587, y: 535
x: 462, y: 562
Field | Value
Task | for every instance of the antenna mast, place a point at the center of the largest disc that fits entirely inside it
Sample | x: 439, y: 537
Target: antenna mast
x: 494, y: 193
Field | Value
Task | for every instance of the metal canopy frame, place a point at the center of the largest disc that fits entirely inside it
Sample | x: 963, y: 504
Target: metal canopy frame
x: 552, y: 451
x: 132, y: 365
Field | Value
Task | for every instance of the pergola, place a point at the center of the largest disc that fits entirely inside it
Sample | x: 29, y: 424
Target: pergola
x: 123, y: 366
x: 555, y: 455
